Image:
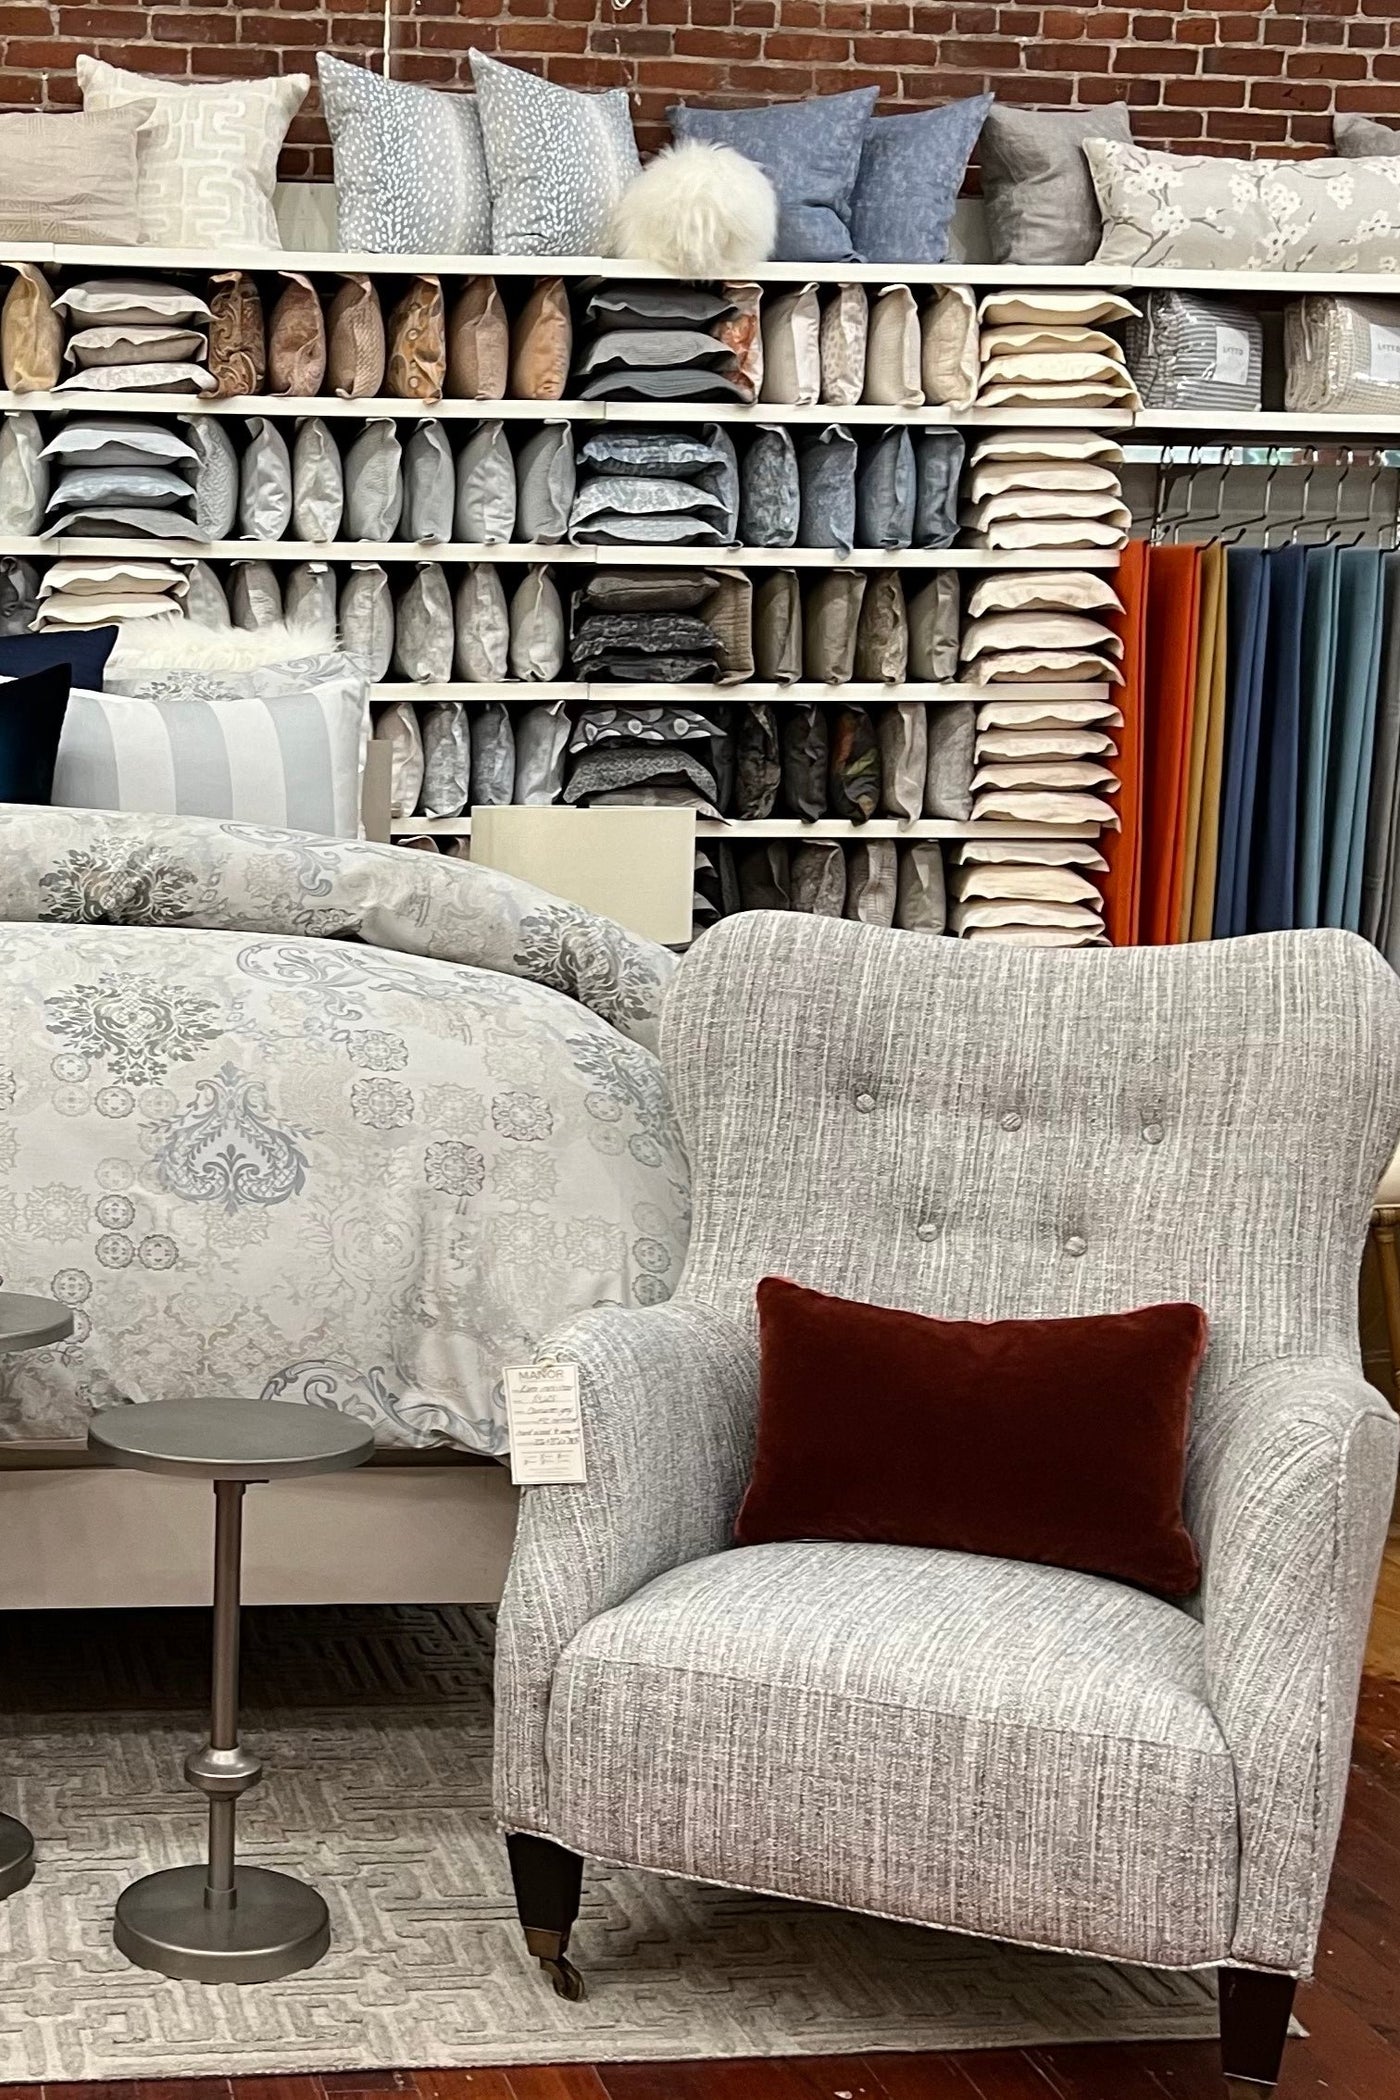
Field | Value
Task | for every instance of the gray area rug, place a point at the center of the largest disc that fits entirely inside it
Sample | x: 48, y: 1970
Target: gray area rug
x: 375, y: 1727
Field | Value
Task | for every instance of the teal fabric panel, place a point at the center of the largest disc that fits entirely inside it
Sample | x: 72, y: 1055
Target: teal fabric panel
x: 1383, y: 817
x: 1246, y: 626
x: 1274, y: 854
x: 1319, y: 659
x: 1353, y: 726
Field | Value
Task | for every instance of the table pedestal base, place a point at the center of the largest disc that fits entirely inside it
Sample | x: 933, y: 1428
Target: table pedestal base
x: 275, y: 1926
x: 16, y: 1857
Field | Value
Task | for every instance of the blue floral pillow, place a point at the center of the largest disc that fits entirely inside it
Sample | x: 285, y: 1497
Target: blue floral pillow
x: 810, y: 152
x: 911, y: 169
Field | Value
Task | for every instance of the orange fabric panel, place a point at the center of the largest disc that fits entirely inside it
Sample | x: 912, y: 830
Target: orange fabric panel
x: 1122, y: 849
x: 1173, y: 617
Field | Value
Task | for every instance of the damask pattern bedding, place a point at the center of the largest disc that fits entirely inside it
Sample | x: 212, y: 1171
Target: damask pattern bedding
x: 315, y: 1121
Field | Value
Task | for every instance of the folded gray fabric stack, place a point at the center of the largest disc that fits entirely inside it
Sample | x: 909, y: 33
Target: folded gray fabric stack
x: 1341, y: 355
x: 115, y: 477
x: 657, y: 342
x: 878, y: 881
x: 1191, y: 350
x: 653, y: 756
x: 656, y: 488
x: 132, y: 335
x: 1038, y: 892
x: 645, y: 626
x: 1045, y: 489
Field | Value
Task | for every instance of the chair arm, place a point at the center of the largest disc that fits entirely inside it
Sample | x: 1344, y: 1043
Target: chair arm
x: 1292, y: 1481
x: 668, y: 1397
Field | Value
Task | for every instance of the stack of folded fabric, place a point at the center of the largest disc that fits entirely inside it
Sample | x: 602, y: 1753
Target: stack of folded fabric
x: 655, y: 756
x: 1038, y: 892
x: 1048, y: 349
x: 129, y: 335
x: 1045, y: 761
x: 1046, y: 627
x: 644, y: 626
x: 118, y: 477
x: 656, y: 488
x: 1192, y: 350
x: 1045, y: 488
x: 78, y: 594
x: 660, y: 342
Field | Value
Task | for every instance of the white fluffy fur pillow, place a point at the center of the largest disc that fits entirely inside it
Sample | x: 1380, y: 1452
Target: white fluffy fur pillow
x: 183, y: 645
x: 698, y: 210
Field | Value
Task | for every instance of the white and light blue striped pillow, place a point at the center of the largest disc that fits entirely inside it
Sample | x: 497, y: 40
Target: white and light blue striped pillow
x: 261, y: 748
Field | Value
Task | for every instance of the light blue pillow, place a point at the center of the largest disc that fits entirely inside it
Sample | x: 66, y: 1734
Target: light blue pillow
x: 911, y: 169
x: 810, y: 152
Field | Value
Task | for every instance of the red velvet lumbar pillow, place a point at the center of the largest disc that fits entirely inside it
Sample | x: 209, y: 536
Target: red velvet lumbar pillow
x: 1046, y: 1440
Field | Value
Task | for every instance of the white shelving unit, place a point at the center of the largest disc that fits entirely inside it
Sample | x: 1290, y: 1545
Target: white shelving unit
x: 799, y: 828
x: 535, y: 553
x: 854, y: 694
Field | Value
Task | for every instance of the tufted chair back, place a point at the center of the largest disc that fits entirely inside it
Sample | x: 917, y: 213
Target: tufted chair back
x: 985, y: 1132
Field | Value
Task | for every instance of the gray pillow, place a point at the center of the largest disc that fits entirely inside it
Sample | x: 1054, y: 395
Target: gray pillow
x: 374, y: 484
x: 81, y: 486
x: 486, y: 487
x: 664, y: 383
x: 215, y: 478
x: 265, y: 483
x: 885, y: 491
x: 831, y: 624
x: 921, y: 904
x: 429, y: 485
x: 871, y: 878
x: 679, y: 452
x: 558, y: 160
x: 367, y: 619
x: 24, y: 475
x: 853, y: 765
x: 810, y: 151
x: 541, y: 745
x: 1363, y: 138
x: 722, y: 479
x: 938, y: 465
x: 882, y: 635
x: 483, y: 626
x: 819, y: 878
x: 826, y: 474
x: 777, y: 627
x: 933, y: 629
x: 952, y: 737
x: 423, y: 628
x: 653, y: 767
x: 19, y: 594
x: 770, y: 496
x: 1040, y: 198
x: 254, y: 595
x: 545, y: 483
x: 758, y: 767
x: 116, y: 441
x: 536, y: 628
x: 903, y: 733
x: 205, y: 601
x: 318, y: 483
x: 649, y: 348
x: 447, y: 759
x: 804, y: 760
x: 656, y: 305
x: 765, y: 877
x: 410, y: 167
x: 308, y: 595
x: 911, y: 169
x: 493, y: 757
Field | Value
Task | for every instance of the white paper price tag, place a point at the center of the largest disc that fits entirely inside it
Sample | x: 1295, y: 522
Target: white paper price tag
x: 1231, y: 356
x: 1385, y: 353
x: 546, y: 1425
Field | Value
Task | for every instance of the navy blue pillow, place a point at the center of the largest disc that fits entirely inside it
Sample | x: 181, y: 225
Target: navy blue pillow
x: 911, y: 169
x: 31, y: 723
x: 810, y: 152
x: 84, y: 654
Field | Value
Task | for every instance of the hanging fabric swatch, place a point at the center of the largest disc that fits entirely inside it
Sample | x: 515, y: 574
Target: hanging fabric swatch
x: 1207, y: 753
x: 1173, y: 612
x: 1319, y: 662
x: 1123, y: 848
x: 1353, y: 730
x: 1247, y: 593
x: 1378, y: 880
x: 1270, y: 900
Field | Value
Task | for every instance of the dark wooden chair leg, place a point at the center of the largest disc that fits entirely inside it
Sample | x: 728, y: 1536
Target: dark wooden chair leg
x: 548, y: 1887
x: 1254, y: 2012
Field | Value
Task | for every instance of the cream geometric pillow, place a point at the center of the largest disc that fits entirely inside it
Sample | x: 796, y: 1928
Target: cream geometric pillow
x: 207, y: 157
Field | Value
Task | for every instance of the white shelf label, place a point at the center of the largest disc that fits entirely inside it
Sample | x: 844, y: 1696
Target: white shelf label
x: 1385, y: 353
x: 546, y: 1425
x: 1231, y: 356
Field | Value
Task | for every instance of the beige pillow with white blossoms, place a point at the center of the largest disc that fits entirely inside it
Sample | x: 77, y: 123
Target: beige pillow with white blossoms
x: 1191, y: 211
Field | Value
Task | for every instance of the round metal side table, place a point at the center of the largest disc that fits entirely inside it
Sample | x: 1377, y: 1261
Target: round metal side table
x: 220, y: 1922
x: 25, y: 1323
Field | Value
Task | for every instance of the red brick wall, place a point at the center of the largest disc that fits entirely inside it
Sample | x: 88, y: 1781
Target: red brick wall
x: 1230, y: 76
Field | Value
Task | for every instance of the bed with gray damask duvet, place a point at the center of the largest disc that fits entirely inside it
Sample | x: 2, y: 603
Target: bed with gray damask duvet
x: 336, y: 1123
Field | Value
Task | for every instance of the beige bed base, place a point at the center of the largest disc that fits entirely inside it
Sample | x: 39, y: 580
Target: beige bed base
x: 409, y: 1528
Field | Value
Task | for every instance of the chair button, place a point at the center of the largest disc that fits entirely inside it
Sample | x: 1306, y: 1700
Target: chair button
x: 927, y: 1230
x: 1011, y: 1121
x: 1153, y: 1132
x: 865, y: 1102
x: 1076, y: 1244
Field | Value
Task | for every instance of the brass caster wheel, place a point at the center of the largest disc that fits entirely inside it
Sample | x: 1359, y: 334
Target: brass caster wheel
x: 565, y: 1978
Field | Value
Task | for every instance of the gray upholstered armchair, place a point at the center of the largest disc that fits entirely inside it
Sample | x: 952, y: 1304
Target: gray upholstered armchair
x: 1013, y: 1750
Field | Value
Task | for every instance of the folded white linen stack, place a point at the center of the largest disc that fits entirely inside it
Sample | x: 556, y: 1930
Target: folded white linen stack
x: 1043, y: 627
x: 1038, y: 892
x: 1047, y: 349
x: 130, y: 335
x: 79, y: 594
x: 1045, y: 488
x: 1045, y: 761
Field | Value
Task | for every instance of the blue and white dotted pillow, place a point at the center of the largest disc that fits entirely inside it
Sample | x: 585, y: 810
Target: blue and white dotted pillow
x: 559, y: 161
x: 410, y: 170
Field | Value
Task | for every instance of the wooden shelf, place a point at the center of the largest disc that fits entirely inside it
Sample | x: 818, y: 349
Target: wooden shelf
x: 521, y: 693
x: 740, y: 833
x: 552, y: 556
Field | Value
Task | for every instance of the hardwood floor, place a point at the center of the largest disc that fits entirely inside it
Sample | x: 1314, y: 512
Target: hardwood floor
x: 1351, y: 2010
